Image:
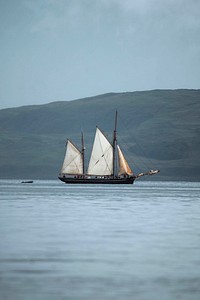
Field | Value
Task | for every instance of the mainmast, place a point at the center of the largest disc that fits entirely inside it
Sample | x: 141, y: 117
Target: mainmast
x: 114, y: 144
x: 82, y: 152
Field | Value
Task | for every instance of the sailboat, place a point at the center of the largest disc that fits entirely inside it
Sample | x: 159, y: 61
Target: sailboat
x: 107, y: 164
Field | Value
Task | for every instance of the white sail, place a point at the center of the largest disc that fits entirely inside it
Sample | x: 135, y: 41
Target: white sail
x: 73, y: 162
x: 123, y: 165
x: 101, y: 160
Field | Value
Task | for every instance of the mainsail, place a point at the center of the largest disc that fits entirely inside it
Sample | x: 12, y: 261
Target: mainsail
x: 101, y: 160
x: 73, y: 162
x: 123, y: 165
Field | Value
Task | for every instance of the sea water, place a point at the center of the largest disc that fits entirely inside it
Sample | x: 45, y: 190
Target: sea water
x: 93, y: 242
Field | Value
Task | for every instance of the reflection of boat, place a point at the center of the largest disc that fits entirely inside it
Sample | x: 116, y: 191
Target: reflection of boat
x: 105, y: 167
x: 27, y: 181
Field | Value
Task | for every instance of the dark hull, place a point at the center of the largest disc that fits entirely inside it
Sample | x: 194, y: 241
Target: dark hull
x: 128, y: 180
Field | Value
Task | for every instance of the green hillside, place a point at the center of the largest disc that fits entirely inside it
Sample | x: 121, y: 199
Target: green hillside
x: 156, y: 129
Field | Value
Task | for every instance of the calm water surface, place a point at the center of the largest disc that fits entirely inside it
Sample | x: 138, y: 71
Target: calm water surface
x: 139, y: 242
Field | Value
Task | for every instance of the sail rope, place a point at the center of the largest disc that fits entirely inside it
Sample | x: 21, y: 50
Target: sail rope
x: 100, y: 159
x: 103, y: 156
x: 137, y: 144
x: 70, y: 162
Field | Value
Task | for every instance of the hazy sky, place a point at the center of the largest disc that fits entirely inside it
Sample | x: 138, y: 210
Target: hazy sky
x: 67, y: 49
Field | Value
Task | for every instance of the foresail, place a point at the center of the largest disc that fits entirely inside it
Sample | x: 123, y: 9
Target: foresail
x: 123, y: 165
x: 101, y: 160
x: 73, y: 162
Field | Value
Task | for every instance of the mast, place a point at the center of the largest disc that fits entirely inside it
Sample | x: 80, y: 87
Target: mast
x: 114, y: 144
x: 82, y: 152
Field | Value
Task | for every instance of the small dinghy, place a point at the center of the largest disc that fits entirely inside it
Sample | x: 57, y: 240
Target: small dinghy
x: 27, y: 181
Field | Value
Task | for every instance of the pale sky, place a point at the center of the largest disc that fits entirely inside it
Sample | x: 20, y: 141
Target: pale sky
x: 54, y: 50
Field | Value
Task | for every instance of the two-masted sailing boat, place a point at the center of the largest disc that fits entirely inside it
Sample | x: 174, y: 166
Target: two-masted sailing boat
x: 105, y: 166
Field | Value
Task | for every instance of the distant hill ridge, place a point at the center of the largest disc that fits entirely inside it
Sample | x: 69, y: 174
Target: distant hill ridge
x: 157, y: 128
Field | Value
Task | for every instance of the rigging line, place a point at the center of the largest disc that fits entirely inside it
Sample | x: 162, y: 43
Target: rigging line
x: 134, y: 163
x: 107, y: 116
x: 73, y: 145
x: 72, y: 161
x: 131, y: 158
x: 138, y: 145
x: 103, y: 154
x: 76, y: 168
